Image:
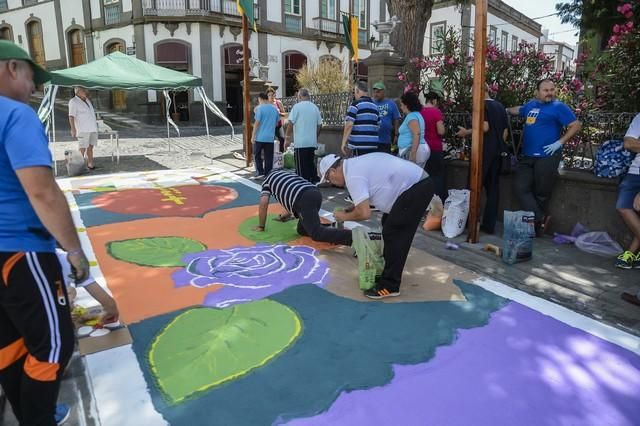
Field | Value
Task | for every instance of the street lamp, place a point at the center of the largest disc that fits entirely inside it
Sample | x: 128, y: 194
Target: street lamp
x: 373, y: 43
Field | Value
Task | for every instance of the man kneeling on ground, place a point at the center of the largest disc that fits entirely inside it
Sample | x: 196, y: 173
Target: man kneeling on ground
x: 400, y: 190
x: 302, y: 199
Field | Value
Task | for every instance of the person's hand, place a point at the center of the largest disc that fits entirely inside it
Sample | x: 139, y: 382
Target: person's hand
x: 636, y: 203
x: 110, y: 315
x: 552, y: 148
x: 344, y: 149
x: 340, y: 215
x: 258, y: 228
x: 283, y: 217
x: 287, y: 142
x: 73, y: 134
x: 79, y: 265
x: 462, y: 132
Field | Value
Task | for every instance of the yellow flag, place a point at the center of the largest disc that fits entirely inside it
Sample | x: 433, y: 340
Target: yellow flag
x: 354, y: 37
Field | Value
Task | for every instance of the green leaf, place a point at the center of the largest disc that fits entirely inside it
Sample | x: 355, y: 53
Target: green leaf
x: 205, y: 347
x: 155, y: 251
x: 274, y: 232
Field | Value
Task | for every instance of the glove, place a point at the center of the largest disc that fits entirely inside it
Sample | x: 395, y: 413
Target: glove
x: 552, y: 148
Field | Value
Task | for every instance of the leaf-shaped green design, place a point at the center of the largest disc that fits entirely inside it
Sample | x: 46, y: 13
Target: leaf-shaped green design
x: 155, y: 251
x: 275, y: 232
x: 204, y: 347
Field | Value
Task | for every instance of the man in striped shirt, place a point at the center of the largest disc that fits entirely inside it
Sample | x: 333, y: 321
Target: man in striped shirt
x: 302, y: 199
x: 361, y: 124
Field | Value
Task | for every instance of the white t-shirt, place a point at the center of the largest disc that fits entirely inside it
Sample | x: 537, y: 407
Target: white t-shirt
x: 66, y: 271
x: 634, y: 132
x: 83, y: 114
x: 379, y: 177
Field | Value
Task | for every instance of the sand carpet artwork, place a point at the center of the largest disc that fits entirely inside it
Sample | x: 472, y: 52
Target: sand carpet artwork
x: 231, y: 326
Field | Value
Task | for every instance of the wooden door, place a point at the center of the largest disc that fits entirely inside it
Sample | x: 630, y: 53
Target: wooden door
x: 118, y: 97
x: 36, y: 43
x: 77, y: 48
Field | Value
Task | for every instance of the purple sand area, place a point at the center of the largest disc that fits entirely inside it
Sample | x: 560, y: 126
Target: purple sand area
x: 523, y: 368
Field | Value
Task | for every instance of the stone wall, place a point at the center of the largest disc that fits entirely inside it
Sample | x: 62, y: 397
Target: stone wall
x: 577, y: 197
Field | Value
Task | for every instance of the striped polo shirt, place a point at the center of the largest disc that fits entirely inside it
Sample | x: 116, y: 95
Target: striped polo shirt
x: 285, y: 186
x: 366, y: 122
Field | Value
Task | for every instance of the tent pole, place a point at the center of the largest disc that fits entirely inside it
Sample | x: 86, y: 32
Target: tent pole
x: 53, y: 128
x: 168, y: 136
x: 206, y: 123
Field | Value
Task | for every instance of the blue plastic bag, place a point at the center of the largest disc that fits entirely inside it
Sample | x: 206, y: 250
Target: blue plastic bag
x: 519, y: 231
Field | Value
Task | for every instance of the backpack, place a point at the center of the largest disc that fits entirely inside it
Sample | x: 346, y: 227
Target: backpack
x: 612, y: 160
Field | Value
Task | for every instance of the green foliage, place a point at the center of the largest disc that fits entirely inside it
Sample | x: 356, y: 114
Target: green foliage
x: 615, y: 72
x: 512, y: 76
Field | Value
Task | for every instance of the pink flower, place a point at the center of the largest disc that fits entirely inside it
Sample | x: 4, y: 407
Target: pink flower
x: 493, y: 57
x: 401, y: 77
x: 628, y: 15
x: 616, y: 29
x: 451, y: 61
x: 625, y: 8
x: 629, y: 25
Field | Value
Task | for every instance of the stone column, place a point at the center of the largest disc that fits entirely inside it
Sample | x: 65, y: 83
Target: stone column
x: 385, y: 66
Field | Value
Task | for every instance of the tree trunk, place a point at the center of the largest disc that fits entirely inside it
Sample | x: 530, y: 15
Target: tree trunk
x: 409, y: 36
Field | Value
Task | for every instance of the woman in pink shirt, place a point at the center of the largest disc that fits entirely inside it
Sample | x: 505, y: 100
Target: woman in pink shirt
x: 434, y: 130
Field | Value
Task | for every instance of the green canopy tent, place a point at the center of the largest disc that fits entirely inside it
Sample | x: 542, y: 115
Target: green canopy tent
x: 120, y: 71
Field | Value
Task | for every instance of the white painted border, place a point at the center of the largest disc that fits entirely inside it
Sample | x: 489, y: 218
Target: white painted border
x: 122, y: 396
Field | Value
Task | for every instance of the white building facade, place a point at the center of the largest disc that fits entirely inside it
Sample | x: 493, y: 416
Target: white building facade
x: 203, y: 38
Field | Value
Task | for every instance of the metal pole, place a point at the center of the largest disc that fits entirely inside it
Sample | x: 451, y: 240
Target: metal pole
x: 477, y: 122
x: 206, y: 123
x: 248, y: 130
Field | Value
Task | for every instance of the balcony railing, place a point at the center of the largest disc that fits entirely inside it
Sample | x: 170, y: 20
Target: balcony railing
x: 228, y: 8
x: 293, y: 23
x: 333, y: 106
x: 112, y: 14
x: 328, y: 28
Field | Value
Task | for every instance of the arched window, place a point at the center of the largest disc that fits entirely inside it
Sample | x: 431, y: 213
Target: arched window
x: 362, y: 72
x: 118, y: 97
x: 292, y: 63
x: 36, y: 43
x: 174, y: 55
x: 6, y: 33
x: 177, y: 56
x: 76, y: 48
x: 233, y: 56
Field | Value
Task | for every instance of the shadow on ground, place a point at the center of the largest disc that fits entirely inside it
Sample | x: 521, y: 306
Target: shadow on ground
x: 104, y: 165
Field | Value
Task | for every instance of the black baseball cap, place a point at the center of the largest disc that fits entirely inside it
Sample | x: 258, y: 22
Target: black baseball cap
x: 10, y: 50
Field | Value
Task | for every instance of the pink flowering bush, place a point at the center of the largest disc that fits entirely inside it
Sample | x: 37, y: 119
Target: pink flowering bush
x: 616, y: 72
x: 512, y: 76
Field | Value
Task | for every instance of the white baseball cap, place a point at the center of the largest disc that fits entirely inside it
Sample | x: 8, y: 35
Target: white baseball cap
x: 325, y: 164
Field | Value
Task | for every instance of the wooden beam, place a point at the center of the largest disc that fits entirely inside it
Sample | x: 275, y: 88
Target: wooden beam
x: 477, y: 122
x: 246, y: 89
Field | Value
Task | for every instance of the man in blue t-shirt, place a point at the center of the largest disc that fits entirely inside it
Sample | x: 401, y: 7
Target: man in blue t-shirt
x: 264, y: 130
x: 36, y: 332
x: 536, y: 172
x: 306, y: 121
x: 389, y: 118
